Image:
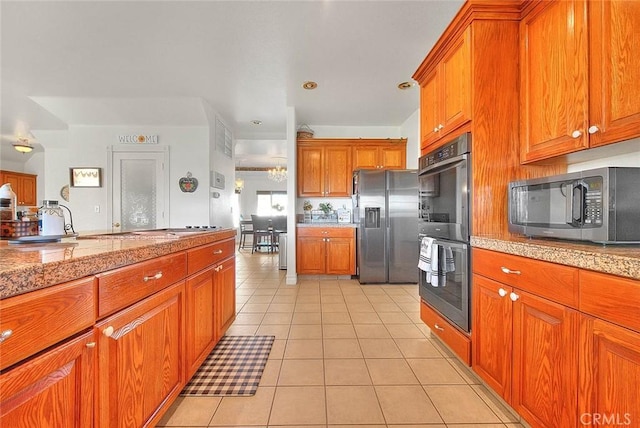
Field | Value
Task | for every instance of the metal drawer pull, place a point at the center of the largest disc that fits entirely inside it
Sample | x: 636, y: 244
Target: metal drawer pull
x: 507, y: 270
x: 502, y: 292
x: 5, y: 335
x: 217, y: 252
x: 91, y: 345
x: 437, y: 327
x: 156, y: 276
x: 108, y: 331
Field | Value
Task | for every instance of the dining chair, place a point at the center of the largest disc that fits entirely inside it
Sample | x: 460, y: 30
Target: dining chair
x: 279, y: 224
x: 262, y: 233
x: 246, y: 229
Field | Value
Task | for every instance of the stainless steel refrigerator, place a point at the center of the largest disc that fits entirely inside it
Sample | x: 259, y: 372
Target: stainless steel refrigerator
x: 386, y: 210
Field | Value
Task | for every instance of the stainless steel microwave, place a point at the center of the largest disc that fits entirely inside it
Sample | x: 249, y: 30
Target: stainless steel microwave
x: 599, y: 205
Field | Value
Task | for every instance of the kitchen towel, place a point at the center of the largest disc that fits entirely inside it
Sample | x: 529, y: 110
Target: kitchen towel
x: 428, y: 260
x: 449, y: 263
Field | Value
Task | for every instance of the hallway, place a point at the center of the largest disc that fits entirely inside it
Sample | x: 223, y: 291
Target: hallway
x: 344, y: 354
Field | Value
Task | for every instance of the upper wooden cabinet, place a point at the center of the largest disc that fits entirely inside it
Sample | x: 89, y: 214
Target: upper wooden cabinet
x: 391, y: 154
x: 325, y: 166
x: 324, y: 169
x: 445, y: 92
x: 24, y: 186
x: 580, y: 77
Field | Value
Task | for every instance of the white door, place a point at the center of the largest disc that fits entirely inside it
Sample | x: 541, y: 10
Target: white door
x: 139, y: 189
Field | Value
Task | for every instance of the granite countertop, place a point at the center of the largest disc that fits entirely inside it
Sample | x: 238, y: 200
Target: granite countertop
x: 352, y: 225
x: 622, y: 260
x: 28, y: 267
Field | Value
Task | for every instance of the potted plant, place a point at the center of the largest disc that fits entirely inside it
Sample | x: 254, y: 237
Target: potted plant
x: 326, y: 208
x: 306, y: 206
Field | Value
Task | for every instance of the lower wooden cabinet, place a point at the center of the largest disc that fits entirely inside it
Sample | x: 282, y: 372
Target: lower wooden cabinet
x: 326, y: 250
x: 140, y: 366
x: 525, y: 348
x: 201, y: 330
x: 54, y: 389
x: 225, y: 297
x: 609, y: 375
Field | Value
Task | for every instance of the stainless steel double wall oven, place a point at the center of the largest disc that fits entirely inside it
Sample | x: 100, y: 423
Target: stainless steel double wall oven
x: 444, y: 214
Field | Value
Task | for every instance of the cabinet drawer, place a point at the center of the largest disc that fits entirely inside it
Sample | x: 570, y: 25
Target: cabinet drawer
x: 44, y: 317
x: 203, y: 257
x: 122, y: 287
x: 555, y: 282
x: 458, y: 342
x: 326, y: 232
x: 611, y: 298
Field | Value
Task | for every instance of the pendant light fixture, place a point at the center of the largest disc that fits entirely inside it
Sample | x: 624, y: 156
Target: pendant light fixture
x: 22, y: 145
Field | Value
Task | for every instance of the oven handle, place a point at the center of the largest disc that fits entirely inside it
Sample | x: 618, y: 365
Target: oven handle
x: 444, y: 165
x: 444, y: 243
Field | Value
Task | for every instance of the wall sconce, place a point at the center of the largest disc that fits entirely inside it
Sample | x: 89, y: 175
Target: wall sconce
x: 239, y: 185
x: 22, y: 145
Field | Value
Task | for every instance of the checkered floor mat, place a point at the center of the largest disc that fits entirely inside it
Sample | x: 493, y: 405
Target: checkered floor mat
x: 234, y: 367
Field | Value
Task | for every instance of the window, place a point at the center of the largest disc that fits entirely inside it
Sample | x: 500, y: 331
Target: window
x: 272, y: 202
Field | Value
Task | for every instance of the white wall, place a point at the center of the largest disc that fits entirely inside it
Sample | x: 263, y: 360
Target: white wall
x: 87, y: 146
x: 355, y: 131
x: 626, y: 153
x: 411, y: 130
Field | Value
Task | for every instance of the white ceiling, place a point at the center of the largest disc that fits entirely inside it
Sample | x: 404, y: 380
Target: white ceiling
x: 154, y: 62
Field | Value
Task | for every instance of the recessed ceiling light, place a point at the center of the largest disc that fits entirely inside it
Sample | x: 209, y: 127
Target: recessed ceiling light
x: 256, y: 122
x: 405, y: 85
x: 309, y: 85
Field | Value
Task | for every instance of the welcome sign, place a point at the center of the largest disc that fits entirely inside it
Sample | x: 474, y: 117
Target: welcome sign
x: 138, y: 139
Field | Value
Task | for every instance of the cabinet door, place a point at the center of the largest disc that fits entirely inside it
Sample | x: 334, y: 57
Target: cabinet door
x: 338, y: 172
x: 55, y: 389
x: 455, y: 84
x: 340, y: 256
x: 201, y: 328
x: 545, y: 361
x: 393, y: 157
x: 140, y: 368
x: 429, y: 104
x: 28, y: 190
x: 615, y: 71
x: 609, y: 375
x: 310, y: 255
x: 554, y: 89
x: 225, y: 280
x: 310, y: 171
x: 492, y: 334
x: 365, y: 157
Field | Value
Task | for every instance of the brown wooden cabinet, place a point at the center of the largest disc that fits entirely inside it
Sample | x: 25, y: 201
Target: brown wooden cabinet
x: 326, y: 250
x: 53, y: 389
x: 140, y: 365
x: 579, y: 76
x: 445, y: 92
x: 24, y: 186
x: 225, y: 287
x: 390, y: 154
x: 609, y: 374
x: 525, y: 345
x: 324, y: 168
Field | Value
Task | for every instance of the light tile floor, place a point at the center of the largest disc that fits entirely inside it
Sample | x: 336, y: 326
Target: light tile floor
x: 345, y: 354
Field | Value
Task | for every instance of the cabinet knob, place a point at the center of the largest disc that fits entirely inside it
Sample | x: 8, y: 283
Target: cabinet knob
x: 5, y: 335
x: 435, y: 129
x: 508, y: 271
x: 437, y: 327
x: 217, y: 252
x: 593, y: 129
x: 502, y: 292
x: 440, y: 126
x: 576, y: 134
x: 108, y: 331
x: 513, y: 297
x: 116, y: 224
x: 328, y: 239
x: 91, y: 345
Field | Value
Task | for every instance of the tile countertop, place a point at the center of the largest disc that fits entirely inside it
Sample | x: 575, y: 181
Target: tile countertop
x: 28, y: 267
x: 352, y: 225
x: 622, y: 260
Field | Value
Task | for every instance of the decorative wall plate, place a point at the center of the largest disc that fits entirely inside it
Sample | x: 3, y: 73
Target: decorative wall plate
x: 188, y: 184
x: 64, y: 193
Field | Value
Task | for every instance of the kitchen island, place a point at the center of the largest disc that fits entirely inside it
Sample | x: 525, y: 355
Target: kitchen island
x: 120, y: 323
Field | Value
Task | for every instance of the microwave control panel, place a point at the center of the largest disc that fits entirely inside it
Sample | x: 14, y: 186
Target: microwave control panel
x: 593, y: 201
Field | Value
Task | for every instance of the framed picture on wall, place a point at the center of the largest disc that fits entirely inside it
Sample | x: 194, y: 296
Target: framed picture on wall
x: 85, y: 177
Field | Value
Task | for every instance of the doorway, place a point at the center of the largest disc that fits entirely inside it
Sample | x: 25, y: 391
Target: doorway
x: 139, y: 188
